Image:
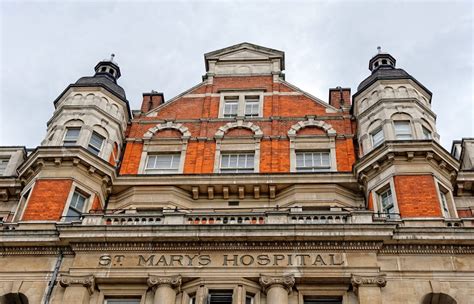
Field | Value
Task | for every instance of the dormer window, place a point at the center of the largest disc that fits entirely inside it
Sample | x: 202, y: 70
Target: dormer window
x: 241, y: 104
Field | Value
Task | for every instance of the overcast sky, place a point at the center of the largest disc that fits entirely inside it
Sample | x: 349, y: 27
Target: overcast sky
x: 159, y: 45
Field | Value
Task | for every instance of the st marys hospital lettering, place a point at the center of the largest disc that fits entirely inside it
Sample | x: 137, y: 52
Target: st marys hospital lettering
x: 224, y: 260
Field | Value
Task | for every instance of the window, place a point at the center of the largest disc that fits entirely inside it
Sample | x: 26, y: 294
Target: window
x: 241, y: 104
x: 249, y: 299
x: 162, y: 163
x: 426, y: 133
x: 220, y: 297
x: 72, y: 134
x: 402, y: 130
x: 3, y: 165
x: 322, y: 300
x: 237, y: 163
x: 122, y: 301
x: 312, y: 161
x: 76, y: 206
x: 231, y: 105
x: 95, y: 144
x: 192, y: 300
x: 377, y: 138
x: 443, y: 195
x: 252, y: 104
x: 386, y: 202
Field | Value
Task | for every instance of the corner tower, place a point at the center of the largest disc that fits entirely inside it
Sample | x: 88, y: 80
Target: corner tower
x: 404, y: 170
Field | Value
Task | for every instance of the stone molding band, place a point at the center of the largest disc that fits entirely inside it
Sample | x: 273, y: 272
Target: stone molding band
x: 172, y: 281
x: 268, y: 282
x: 87, y: 281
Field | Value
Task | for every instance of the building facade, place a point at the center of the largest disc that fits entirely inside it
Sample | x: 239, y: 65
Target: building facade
x: 243, y: 189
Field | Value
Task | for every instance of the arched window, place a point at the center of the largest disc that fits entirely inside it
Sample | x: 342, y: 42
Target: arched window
x: 438, y: 298
x: 14, y: 298
x: 402, y: 126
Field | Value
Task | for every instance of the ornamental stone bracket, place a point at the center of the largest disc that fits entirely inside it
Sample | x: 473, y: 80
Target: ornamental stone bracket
x: 268, y: 282
x: 87, y: 281
x: 171, y: 281
x: 359, y: 281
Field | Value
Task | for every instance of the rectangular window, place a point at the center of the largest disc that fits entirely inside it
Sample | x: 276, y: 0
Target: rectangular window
x: 122, y: 301
x: 249, y: 299
x: 95, y: 144
x: 426, y: 133
x: 252, y: 106
x: 386, y: 202
x: 3, y: 165
x: 72, y: 134
x: 162, y: 163
x: 312, y: 161
x: 402, y: 130
x: 76, y: 206
x: 377, y: 138
x: 192, y: 300
x: 237, y: 163
x: 231, y: 106
x: 322, y: 300
x: 444, y: 202
x: 220, y: 297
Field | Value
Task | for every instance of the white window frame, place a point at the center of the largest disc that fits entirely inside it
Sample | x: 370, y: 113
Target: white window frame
x: 170, y: 170
x: 239, y: 155
x: 380, y: 188
x: 69, y: 142
x: 427, y: 134
x: 242, y: 96
x: 451, y: 212
x: 164, y: 146
x: 383, y: 208
x: 92, y: 148
x: 81, y: 190
x: 313, y: 168
x: 310, y: 144
x: 373, y: 135
x: 230, y: 103
x: 401, y: 133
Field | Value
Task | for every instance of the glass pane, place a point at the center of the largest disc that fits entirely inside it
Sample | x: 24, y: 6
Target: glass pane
x: 163, y: 163
x: 151, y: 162
x: 72, y: 133
x: 377, y: 138
x: 96, y: 140
x: 402, y: 130
x: 220, y: 297
x: 426, y: 133
x: 325, y: 159
x: 72, y: 214
x: 250, y: 163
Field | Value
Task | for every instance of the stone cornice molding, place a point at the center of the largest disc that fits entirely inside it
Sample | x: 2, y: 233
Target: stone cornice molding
x: 168, y: 125
x: 258, y: 133
x: 311, y: 123
x: 286, y: 281
x: 172, y: 281
x: 35, y: 250
x: 87, y: 281
x: 358, y: 281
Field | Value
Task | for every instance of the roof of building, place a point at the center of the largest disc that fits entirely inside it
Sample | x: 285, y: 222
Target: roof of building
x: 103, y: 80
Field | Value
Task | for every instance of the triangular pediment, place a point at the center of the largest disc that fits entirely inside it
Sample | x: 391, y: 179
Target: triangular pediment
x: 244, y: 52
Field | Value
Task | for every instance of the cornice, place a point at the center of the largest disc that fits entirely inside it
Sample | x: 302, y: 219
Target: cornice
x: 36, y: 250
x: 391, y: 249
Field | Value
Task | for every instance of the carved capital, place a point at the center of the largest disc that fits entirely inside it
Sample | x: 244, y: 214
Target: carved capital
x: 368, y: 281
x: 286, y: 282
x: 87, y: 281
x: 171, y: 281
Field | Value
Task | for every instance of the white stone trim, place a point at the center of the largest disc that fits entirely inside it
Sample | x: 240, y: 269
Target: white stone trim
x: 168, y: 125
x: 453, y: 213
x: 311, y: 123
x: 241, y: 104
x: 258, y: 133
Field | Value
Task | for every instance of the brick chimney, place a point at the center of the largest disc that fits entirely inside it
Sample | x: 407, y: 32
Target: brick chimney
x: 340, y: 97
x: 152, y: 100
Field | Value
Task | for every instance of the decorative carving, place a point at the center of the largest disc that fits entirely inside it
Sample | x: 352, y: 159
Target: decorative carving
x: 87, y: 281
x: 286, y: 282
x: 311, y: 123
x: 171, y: 281
x: 168, y: 125
x: 368, y: 281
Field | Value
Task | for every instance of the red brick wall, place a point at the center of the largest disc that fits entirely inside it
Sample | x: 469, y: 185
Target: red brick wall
x: 96, y: 205
x: 370, y: 203
x: 465, y: 213
x: 274, y: 156
x: 417, y: 196
x: 131, y: 158
x: 47, y: 200
x: 345, y: 154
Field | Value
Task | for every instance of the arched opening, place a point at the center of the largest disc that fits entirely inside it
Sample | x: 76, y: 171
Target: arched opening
x: 14, y: 298
x: 438, y: 298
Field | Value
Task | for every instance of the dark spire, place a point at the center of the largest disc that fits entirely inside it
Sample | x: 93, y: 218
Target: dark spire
x: 108, y: 68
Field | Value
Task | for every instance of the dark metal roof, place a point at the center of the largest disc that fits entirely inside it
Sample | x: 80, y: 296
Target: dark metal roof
x: 103, y: 80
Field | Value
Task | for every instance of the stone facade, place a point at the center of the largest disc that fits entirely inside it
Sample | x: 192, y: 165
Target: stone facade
x: 241, y: 190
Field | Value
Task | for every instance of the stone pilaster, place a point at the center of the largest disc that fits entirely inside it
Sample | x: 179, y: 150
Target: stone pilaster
x: 277, y: 288
x: 165, y: 288
x: 78, y: 288
x: 367, y: 288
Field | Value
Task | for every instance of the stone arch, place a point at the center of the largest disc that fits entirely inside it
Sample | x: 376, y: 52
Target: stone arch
x: 389, y: 92
x: 169, y: 125
x: 14, y: 298
x: 401, y: 116
x: 311, y: 123
x: 438, y: 298
x: 239, y: 124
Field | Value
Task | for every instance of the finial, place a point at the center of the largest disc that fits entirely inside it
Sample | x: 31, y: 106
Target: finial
x: 112, y: 57
x: 379, y: 49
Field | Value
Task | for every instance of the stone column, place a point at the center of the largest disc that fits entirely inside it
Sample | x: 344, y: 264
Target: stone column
x: 165, y: 288
x: 78, y: 288
x: 277, y: 288
x: 367, y: 288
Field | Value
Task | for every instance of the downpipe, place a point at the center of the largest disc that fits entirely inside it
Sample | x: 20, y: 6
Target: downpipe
x: 52, y: 281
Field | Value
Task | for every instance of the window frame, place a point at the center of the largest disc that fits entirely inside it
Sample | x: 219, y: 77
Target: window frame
x: 237, y: 170
x: 313, y: 168
x: 67, y: 142
x: 384, y: 185
x: 112, y: 291
x: 313, y: 143
x: 93, y: 149
x: 372, y: 137
x: 106, y: 301
x: 87, y: 203
x: 397, y: 132
x: 242, y: 97
x: 426, y: 133
x: 451, y: 208
x: 163, y: 170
